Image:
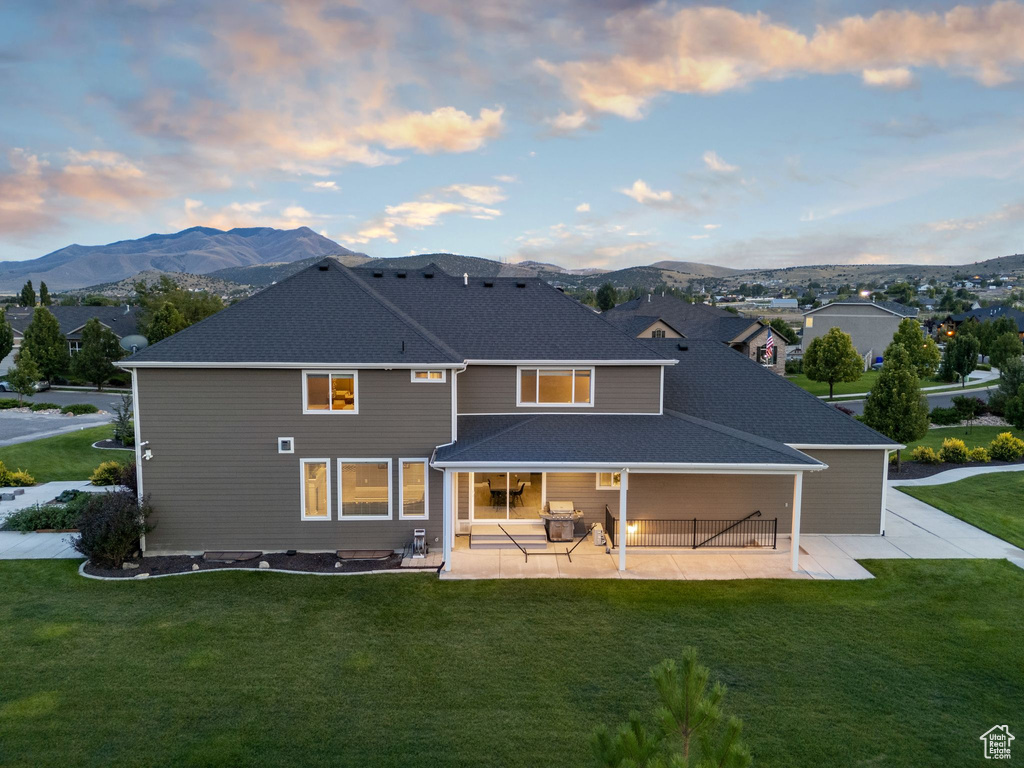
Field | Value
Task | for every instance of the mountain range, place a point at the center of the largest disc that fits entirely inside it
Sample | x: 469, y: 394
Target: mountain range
x: 239, y: 261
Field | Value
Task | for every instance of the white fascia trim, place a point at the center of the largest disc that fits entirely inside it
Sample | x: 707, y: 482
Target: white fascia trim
x: 854, y: 304
x: 565, y: 413
x: 543, y: 466
x: 568, y: 363
x: 341, y: 505
x: 289, y: 366
x: 838, y: 447
x: 426, y: 489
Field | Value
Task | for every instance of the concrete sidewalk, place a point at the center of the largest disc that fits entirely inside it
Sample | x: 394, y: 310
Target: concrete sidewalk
x: 952, y: 475
x: 15, y: 545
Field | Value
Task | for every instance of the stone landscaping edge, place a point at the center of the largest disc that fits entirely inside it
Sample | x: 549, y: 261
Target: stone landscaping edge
x: 144, y: 576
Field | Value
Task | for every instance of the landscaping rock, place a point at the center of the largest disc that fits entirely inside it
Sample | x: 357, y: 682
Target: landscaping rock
x: 19, y: 491
x: 337, y: 564
x: 264, y: 564
x: 141, y: 576
x: 195, y: 566
x: 126, y: 566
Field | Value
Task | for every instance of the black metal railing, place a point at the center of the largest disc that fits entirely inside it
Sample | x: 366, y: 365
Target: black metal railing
x: 751, y: 531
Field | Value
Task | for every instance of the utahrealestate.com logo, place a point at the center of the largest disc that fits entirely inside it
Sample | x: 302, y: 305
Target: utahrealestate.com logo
x: 997, y: 742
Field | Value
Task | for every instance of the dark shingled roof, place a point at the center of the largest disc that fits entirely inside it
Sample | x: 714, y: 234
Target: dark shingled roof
x: 596, y: 438
x: 892, y: 306
x: 505, y: 318
x: 122, y: 320
x: 323, y: 314
x: 637, y: 324
x: 992, y: 313
x: 694, y: 321
x: 719, y: 384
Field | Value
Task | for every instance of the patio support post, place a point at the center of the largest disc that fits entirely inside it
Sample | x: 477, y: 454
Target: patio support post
x: 798, y: 492
x: 448, y: 520
x: 623, y: 489
x: 885, y: 487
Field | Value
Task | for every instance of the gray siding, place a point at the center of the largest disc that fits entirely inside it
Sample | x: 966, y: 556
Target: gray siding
x: 617, y: 389
x: 581, y: 489
x: 870, y: 328
x: 846, y: 497
x: 216, y: 480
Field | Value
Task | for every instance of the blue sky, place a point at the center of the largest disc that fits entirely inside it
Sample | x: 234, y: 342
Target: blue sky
x: 592, y: 134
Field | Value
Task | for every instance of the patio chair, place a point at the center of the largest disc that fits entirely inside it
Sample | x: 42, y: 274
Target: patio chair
x: 516, y: 497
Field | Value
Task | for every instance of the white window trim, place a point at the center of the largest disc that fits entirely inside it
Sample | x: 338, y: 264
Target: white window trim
x: 305, y: 391
x: 302, y: 488
x: 291, y: 441
x: 442, y: 371
x: 341, y: 505
x: 538, y: 368
x: 426, y: 489
x: 597, y: 482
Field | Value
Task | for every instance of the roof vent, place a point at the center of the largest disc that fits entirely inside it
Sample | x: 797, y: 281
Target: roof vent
x: 378, y: 273
x: 400, y: 274
x: 322, y: 267
x: 520, y: 285
x: 682, y: 347
x: 428, y: 275
x: 465, y: 278
x: 488, y: 283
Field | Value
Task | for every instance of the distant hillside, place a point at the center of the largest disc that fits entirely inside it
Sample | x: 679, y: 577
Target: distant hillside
x: 198, y: 250
x: 125, y: 289
x: 454, y: 264
x: 696, y: 269
x: 260, y: 275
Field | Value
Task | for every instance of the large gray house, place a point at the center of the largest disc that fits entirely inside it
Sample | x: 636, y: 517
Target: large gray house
x: 871, y: 324
x: 344, y: 408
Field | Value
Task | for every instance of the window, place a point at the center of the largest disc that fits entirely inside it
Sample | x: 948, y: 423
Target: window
x: 316, y: 489
x: 330, y: 392
x: 607, y: 481
x: 437, y: 377
x: 761, y: 358
x: 556, y: 386
x: 412, y: 489
x: 808, y: 322
x: 364, y: 489
x: 286, y: 445
x: 658, y: 333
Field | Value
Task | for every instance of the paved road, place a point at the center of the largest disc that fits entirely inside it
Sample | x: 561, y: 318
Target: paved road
x: 22, y: 427
x: 936, y: 400
x: 103, y: 400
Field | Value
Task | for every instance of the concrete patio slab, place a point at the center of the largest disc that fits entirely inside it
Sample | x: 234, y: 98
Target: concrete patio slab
x: 514, y: 566
x: 36, y: 546
x: 774, y: 566
x: 588, y: 567
x: 867, y: 547
x: 697, y: 567
x: 651, y: 567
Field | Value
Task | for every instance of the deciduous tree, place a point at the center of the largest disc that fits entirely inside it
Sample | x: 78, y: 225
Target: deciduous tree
x: 28, y: 295
x: 6, y: 335
x: 166, y: 322
x: 193, y: 306
x: 23, y: 375
x: 832, y: 358
x: 44, y: 295
x: 1004, y: 347
x: 924, y: 352
x: 47, y: 344
x: 960, y: 357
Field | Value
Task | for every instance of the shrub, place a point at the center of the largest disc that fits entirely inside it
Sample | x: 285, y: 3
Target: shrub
x: 979, y: 454
x: 997, y: 402
x: 42, y: 516
x: 111, y: 525
x: 128, y: 477
x: 925, y: 455
x: 984, y: 367
x: 794, y: 367
x: 969, y: 407
x: 124, y: 429
x: 79, y: 408
x: 953, y: 450
x: 107, y: 473
x: 945, y: 417
x: 44, y: 407
x: 1006, y: 447
x: 17, y: 479
x: 8, y: 402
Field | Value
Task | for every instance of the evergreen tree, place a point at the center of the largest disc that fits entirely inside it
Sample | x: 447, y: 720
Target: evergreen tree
x: 166, y: 322
x: 28, y: 295
x: 6, y: 335
x: 23, y: 375
x: 94, y: 362
x: 783, y: 329
x: 833, y: 358
x: 44, y: 295
x: 1005, y: 347
x: 924, y: 352
x: 960, y: 357
x: 606, y: 297
x: 895, y: 406
x: 47, y: 344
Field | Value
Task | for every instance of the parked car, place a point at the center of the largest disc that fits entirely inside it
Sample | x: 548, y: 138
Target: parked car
x: 41, y: 386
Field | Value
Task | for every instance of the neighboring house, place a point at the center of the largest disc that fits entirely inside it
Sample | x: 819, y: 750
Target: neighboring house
x: 342, y: 409
x: 655, y: 316
x: 871, y: 324
x: 122, y: 320
x: 952, y: 323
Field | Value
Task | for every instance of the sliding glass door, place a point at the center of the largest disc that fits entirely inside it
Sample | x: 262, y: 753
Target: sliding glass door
x: 507, y: 495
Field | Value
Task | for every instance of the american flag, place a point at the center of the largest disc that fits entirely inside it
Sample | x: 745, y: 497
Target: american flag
x: 769, y: 348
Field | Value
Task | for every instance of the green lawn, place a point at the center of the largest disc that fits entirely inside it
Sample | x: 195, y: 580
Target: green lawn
x: 261, y: 669
x: 865, y: 382
x: 62, y: 457
x: 973, y: 437
x: 991, y: 502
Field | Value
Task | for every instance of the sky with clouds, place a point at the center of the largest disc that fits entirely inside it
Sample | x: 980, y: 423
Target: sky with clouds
x: 591, y: 133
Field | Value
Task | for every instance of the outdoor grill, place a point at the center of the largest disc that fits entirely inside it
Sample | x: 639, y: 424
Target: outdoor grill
x: 560, y: 520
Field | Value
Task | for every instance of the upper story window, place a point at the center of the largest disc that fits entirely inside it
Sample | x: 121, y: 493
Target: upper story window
x: 438, y: 377
x: 330, y: 391
x: 808, y: 322
x: 556, y: 386
x: 607, y: 481
x: 658, y: 333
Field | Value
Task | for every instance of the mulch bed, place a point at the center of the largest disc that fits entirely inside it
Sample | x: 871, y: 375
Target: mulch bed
x: 112, y: 445
x: 913, y: 470
x: 318, y: 562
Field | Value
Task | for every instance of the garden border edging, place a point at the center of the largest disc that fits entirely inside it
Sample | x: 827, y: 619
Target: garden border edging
x: 81, y: 572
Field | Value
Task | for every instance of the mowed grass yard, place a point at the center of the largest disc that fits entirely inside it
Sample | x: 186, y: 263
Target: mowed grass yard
x: 972, y: 437
x: 62, y: 457
x: 994, y: 503
x: 261, y: 669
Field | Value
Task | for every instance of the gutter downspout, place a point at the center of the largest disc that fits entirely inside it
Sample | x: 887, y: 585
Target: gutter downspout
x: 448, y: 503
